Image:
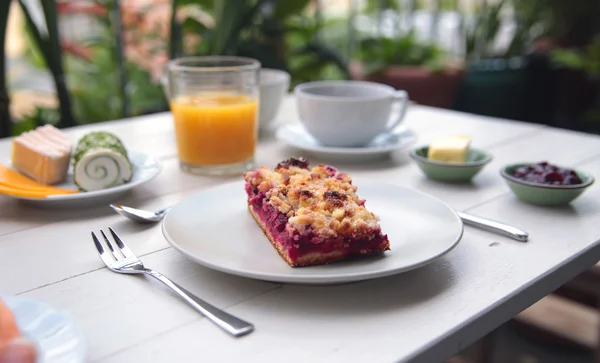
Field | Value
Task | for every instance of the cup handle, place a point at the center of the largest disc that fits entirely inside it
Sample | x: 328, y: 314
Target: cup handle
x: 402, y: 98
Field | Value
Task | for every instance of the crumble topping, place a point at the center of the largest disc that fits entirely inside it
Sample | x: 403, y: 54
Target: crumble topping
x: 319, y: 199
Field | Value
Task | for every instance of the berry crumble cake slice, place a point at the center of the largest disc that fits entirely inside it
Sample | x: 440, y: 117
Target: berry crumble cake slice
x: 312, y: 215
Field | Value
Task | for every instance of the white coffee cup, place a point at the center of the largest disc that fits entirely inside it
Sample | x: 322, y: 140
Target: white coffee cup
x: 274, y: 85
x: 348, y: 113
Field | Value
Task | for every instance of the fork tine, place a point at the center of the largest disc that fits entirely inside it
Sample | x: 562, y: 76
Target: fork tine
x: 103, y: 255
x: 110, y: 246
x: 122, y: 246
x: 98, y: 244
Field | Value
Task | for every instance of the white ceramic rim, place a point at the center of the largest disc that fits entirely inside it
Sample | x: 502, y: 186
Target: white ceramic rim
x: 282, y: 77
x: 98, y: 193
x: 322, y: 279
x: 246, y: 64
x: 401, y: 133
x: 487, y: 160
x: 302, y: 89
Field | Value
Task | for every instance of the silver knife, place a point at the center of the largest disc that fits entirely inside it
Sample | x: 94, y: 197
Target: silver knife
x: 494, y: 226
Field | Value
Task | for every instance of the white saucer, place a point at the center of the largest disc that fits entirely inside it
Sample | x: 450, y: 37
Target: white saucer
x: 145, y: 168
x: 55, y: 335
x: 215, y: 229
x: 296, y: 136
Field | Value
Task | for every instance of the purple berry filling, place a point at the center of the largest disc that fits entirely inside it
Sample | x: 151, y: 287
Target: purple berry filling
x: 299, y: 244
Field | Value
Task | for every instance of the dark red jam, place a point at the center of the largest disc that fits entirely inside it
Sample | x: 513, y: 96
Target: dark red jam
x: 548, y: 174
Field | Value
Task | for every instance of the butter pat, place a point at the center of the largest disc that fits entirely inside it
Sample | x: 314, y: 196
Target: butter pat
x: 42, y: 154
x: 450, y: 149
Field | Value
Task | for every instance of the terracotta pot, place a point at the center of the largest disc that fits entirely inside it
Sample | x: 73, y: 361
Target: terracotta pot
x: 437, y: 89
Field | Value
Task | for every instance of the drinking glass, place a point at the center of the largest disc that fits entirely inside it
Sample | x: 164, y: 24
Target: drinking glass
x: 214, y: 101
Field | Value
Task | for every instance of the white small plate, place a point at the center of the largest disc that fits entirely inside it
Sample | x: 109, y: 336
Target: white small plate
x: 295, y: 135
x: 56, y: 336
x: 215, y: 229
x: 145, y: 168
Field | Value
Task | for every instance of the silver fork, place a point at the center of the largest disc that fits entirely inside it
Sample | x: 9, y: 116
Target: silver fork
x: 122, y: 260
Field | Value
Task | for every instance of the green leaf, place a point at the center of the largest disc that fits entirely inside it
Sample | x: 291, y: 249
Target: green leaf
x: 53, y: 40
x: 208, y: 5
x: 40, y: 41
x: 448, y: 5
x: 568, y: 58
x: 286, y: 8
x: 174, y: 30
x: 376, y: 53
x: 244, y: 19
x: 24, y: 125
x: 266, y: 53
x: 373, y: 6
x: 5, y: 118
x: 37, y: 117
x: 49, y: 45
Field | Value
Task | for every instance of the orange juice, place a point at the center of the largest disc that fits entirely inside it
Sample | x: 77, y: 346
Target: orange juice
x: 215, y: 129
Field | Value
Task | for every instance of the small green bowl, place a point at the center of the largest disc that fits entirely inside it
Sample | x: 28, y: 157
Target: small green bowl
x: 542, y: 194
x: 451, y: 172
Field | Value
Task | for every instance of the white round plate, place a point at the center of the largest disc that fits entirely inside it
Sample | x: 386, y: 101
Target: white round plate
x: 215, y: 229
x: 295, y: 135
x: 145, y: 168
x: 57, y: 338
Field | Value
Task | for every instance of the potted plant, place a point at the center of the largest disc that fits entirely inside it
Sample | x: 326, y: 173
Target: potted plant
x: 46, y: 38
x: 520, y: 80
x: 586, y: 61
x: 404, y: 62
x: 570, y: 31
x: 495, y: 82
x: 280, y: 34
x: 123, y: 69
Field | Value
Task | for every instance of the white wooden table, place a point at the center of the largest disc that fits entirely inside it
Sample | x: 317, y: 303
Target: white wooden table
x: 424, y: 315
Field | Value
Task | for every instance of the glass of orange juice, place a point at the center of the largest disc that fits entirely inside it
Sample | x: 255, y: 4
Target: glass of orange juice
x: 214, y: 102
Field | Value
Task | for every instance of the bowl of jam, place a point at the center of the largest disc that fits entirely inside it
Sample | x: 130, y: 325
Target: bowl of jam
x: 544, y: 183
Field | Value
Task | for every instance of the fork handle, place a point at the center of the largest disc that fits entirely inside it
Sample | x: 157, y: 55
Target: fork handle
x: 225, y: 321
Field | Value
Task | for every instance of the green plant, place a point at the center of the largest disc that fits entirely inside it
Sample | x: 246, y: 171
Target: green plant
x: 375, y: 6
x: 5, y: 119
x: 586, y: 60
x: 572, y: 21
x: 308, y: 58
x: 277, y: 33
x: 268, y: 30
x: 236, y: 23
x: 95, y: 77
x: 95, y: 87
x: 563, y: 21
x: 40, y: 115
x: 47, y: 40
x: 479, y: 37
x: 380, y: 52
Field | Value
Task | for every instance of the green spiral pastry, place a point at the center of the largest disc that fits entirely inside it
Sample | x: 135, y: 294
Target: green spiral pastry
x: 100, y: 161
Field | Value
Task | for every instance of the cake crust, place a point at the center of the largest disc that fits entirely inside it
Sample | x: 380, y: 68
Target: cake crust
x: 312, y: 216
x: 311, y: 258
x: 278, y: 246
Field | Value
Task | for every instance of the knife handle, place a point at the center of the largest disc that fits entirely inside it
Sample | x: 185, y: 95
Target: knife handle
x: 494, y: 226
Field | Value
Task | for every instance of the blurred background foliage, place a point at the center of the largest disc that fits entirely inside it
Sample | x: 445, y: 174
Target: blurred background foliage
x: 105, y: 57
x: 281, y: 34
